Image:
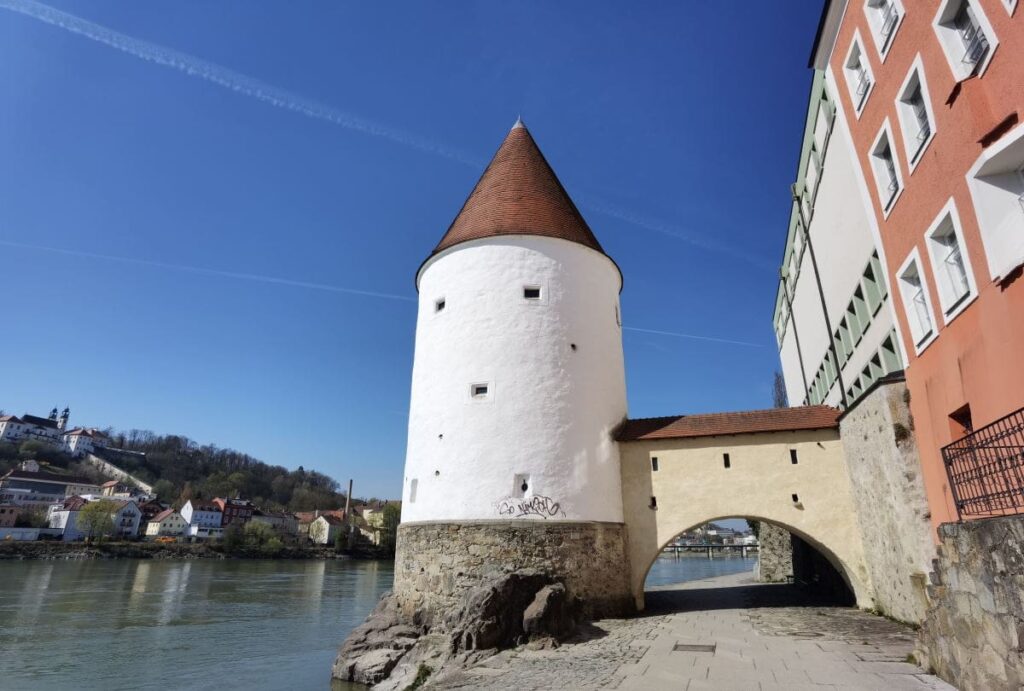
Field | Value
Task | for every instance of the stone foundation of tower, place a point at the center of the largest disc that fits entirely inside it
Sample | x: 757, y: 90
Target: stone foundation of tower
x: 438, y: 562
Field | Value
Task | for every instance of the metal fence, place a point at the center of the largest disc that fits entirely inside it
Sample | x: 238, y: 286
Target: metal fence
x: 986, y: 469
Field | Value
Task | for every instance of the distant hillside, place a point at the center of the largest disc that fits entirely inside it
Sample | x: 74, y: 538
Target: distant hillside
x: 180, y: 469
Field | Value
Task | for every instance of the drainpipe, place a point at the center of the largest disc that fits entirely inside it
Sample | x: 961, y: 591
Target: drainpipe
x: 797, y: 190
x: 783, y: 275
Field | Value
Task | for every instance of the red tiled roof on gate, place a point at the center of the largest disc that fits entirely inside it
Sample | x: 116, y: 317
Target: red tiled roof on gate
x: 741, y: 422
x: 519, y: 194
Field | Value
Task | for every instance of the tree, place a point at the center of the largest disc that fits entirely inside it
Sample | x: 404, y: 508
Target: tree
x: 96, y: 519
x: 318, y: 531
x: 233, y: 537
x: 258, y: 533
x: 163, y: 489
x: 779, y: 397
x: 389, y: 527
x: 186, y: 495
x: 30, y: 518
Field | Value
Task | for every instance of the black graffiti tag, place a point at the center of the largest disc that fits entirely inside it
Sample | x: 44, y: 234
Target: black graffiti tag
x: 544, y: 507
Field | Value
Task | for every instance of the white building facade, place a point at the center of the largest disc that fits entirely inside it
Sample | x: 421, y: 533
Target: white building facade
x: 832, y: 353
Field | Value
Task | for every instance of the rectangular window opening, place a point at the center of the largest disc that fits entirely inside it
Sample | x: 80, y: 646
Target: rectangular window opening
x: 654, y: 502
x: 439, y: 305
x: 654, y: 463
x: 725, y: 460
x: 792, y: 456
x: 796, y: 498
x: 531, y: 292
x: 479, y: 390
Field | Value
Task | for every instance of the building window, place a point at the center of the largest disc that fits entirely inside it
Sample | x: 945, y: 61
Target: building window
x: 858, y: 75
x: 916, y: 303
x: 966, y: 37
x: 886, y: 169
x: 793, y: 457
x: 479, y: 390
x: 531, y: 292
x: 654, y: 463
x: 917, y: 121
x: 996, y: 181
x: 884, y: 17
x: 725, y: 460
x: 950, y: 264
x: 439, y: 304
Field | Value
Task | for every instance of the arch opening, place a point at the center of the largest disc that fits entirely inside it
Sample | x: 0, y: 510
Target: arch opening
x: 676, y: 575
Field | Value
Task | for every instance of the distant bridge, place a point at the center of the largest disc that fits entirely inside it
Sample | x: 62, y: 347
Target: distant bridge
x: 709, y: 547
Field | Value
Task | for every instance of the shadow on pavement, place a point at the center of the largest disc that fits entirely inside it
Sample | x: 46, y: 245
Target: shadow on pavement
x: 666, y: 599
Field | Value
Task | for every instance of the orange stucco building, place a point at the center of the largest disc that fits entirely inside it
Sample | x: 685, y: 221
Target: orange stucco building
x: 933, y: 92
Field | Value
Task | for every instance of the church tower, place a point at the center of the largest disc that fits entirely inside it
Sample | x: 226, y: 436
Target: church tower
x: 518, y: 384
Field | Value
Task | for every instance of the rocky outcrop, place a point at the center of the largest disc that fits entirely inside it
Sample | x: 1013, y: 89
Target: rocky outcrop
x: 973, y: 635
x: 391, y: 648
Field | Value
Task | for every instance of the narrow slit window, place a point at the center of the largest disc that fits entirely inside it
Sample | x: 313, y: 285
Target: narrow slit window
x: 792, y: 457
x: 725, y: 460
x: 654, y: 502
x: 796, y: 498
x: 531, y: 292
x: 654, y: 463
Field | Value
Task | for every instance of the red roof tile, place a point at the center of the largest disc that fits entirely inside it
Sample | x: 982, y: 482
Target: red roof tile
x: 742, y: 422
x: 519, y: 194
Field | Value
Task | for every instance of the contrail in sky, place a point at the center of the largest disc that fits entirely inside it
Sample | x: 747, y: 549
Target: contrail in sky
x: 212, y: 272
x: 274, y: 280
x: 696, y: 239
x: 693, y: 336
x: 229, y: 79
x: 282, y: 98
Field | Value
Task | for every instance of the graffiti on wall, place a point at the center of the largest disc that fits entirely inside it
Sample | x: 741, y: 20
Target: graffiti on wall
x: 539, y: 506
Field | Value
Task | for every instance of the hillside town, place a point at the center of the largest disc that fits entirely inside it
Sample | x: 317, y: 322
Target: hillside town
x: 42, y: 502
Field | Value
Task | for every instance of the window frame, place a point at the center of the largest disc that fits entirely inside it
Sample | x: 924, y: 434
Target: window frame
x: 487, y: 395
x: 950, y: 310
x: 904, y: 114
x: 883, y: 47
x: 920, y: 343
x: 858, y: 44
x: 997, y: 218
x: 886, y: 131
x: 951, y: 42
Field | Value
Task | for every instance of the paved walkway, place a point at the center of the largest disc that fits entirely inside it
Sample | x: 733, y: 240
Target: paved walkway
x: 720, y: 633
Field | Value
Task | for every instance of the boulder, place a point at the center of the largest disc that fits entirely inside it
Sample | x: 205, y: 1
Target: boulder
x: 491, y: 615
x: 550, y: 615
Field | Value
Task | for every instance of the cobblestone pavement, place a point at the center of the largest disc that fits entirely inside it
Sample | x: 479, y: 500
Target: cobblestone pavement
x: 720, y: 633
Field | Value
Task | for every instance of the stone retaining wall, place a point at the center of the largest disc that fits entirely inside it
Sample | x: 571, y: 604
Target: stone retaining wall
x: 437, y: 563
x: 973, y: 636
x: 774, y: 554
x: 888, y: 493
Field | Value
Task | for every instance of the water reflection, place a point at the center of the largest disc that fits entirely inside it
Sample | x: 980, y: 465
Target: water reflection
x: 244, y: 624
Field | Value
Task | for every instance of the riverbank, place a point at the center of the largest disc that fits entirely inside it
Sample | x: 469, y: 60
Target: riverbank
x: 55, y: 550
x: 715, y: 633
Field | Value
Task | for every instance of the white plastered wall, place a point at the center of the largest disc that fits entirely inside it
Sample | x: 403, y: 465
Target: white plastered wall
x: 550, y: 408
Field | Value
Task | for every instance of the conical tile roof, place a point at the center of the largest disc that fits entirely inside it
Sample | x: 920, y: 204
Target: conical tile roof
x: 519, y: 194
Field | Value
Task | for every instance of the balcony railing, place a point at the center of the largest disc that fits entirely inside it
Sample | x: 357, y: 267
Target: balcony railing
x: 889, y: 18
x: 986, y: 469
x: 975, y: 43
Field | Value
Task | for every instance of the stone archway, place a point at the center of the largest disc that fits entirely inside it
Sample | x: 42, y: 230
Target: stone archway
x: 843, y: 569
x: 794, y: 479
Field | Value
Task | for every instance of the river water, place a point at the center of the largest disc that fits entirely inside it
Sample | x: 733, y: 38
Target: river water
x: 203, y: 624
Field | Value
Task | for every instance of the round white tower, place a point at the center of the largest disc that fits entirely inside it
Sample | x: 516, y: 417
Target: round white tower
x: 518, y: 384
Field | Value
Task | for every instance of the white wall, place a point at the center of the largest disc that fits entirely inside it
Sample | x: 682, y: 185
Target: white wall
x: 550, y: 410
x: 844, y: 238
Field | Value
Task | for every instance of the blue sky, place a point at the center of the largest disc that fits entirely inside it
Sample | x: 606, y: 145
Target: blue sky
x: 153, y: 180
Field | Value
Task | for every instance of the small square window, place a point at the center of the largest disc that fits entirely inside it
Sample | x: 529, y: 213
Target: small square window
x: 531, y: 292
x: 439, y: 304
x: 479, y: 390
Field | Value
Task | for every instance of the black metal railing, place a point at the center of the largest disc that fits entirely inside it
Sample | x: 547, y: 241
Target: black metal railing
x: 986, y: 469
